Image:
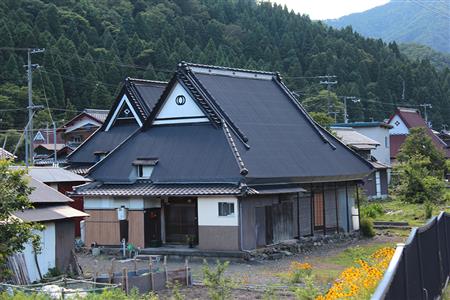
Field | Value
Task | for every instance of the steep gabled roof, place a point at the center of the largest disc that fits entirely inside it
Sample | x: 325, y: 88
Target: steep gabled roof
x: 412, y: 118
x: 257, y: 133
x: 143, y: 95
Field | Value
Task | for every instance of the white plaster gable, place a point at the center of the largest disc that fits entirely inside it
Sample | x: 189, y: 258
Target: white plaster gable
x: 179, y: 107
x: 399, y: 126
x: 83, y: 122
x: 124, y: 103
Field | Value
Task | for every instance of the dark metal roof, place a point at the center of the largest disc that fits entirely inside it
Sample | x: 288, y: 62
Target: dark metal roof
x: 151, y: 189
x: 101, y: 141
x: 283, y: 141
x: 266, y: 136
x: 186, y: 153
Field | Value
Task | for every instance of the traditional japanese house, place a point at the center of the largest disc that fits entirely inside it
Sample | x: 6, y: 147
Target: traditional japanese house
x: 228, y: 160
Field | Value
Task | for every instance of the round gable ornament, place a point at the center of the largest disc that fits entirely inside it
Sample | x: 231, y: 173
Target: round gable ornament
x: 180, y: 100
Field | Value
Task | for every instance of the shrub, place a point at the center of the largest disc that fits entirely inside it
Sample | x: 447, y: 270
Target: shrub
x: 310, y: 290
x: 219, y: 286
x: 298, y: 271
x: 367, y: 227
x: 372, y: 210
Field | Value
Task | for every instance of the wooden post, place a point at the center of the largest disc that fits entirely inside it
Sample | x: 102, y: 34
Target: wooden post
x: 166, y: 274
x: 346, y: 201
x: 298, y: 215
x: 324, y: 210
x: 186, y: 267
x: 150, y: 266
x: 337, y: 207
x: 124, y: 283
x: 359, y: 213
x: 312, y: 209
x: 135, y: 265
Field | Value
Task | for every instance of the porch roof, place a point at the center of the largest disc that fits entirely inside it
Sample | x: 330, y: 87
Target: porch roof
x: 152, y: 189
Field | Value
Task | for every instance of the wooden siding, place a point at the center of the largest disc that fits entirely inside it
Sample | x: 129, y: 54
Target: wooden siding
x: 102, y: 227
x: 65, y: 236
x: 136, y: 227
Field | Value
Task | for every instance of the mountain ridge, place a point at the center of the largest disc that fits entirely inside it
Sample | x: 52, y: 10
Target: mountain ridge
x: 415, y: 21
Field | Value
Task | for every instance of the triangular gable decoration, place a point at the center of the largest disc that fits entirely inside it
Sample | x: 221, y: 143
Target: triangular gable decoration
x: 179, y: 107
x: 39, y: 137
x: 124, y: 113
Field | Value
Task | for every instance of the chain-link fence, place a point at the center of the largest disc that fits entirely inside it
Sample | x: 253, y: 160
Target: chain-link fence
x: 420, y: 268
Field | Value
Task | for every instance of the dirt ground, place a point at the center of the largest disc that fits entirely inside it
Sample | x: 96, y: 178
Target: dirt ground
x: 255, y: 274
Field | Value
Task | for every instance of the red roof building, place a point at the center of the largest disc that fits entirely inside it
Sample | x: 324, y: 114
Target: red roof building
x: 402, y: 121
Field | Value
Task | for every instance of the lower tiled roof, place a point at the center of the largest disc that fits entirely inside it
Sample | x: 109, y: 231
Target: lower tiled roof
x: 151, y: 189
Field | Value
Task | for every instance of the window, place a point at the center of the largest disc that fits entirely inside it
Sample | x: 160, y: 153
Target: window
x: 144, y: 171
x: 386, y: 142
x: 76, y: 139
x: 226, y: 209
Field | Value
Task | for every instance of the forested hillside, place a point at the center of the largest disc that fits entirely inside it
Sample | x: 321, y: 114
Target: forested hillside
x: 415, y: 51
x: 91, y: 46
x: 416, y: 21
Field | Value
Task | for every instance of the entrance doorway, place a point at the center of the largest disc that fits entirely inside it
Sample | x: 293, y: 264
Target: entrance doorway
x: 318, y: 210
x: 180, y: 215
x: 152, y: 227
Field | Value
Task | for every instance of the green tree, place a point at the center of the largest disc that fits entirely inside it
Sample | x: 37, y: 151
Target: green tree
x: 323, y: 102
x: 419, y: 144
x: 416, y: 183
x: 14, y: 233
x: 322, y: 119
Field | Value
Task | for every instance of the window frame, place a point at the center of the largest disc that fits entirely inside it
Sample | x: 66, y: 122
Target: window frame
x: 226, y: 207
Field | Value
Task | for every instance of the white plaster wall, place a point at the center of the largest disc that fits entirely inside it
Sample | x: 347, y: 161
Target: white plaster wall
x: 171, y: 109
x: 398, y: 129
x: 113, y: 203
x: 47, y: 257
x: 208, y: 211
x: 379, y: 134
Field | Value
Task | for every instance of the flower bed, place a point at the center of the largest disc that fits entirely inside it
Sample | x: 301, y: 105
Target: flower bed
x: 360, y: 281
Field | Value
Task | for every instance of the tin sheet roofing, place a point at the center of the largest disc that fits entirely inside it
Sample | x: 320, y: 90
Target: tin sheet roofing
x: 54, y: 174
x: 49, y: 213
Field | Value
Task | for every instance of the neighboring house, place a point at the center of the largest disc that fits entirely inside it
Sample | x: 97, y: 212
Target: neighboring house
x: 51, y: 208
x: 82, y: 126
x: 227, y: 159
x: 62, y: 181
x: 130, y: 110
x: 402, y: 121
x: 376, y: 184
x: 68, y: 137
x: 4, y: 154
x: 378, y: 131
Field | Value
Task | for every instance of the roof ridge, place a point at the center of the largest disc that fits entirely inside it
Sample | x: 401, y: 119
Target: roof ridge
x: 140, y: 103
x: 188, y: 64
x: 242, y: 169
x: 146, y: 80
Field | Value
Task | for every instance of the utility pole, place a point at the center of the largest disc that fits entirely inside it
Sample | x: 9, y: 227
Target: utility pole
x: 328, y: 83
x: 354, y: 99
x: 425, y: 105
x: 31, y: 108
x: 55, y: 160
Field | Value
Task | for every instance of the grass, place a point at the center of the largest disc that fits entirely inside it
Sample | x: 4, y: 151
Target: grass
x: 414, y: 214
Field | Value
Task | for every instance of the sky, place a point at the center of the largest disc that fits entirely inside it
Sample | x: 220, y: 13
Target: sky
x: 329, y: 9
